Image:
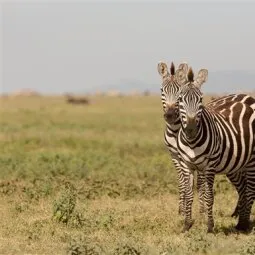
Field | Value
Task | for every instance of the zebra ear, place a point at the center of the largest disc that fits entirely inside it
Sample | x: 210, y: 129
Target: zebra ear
x: 201, y: 78
x: 162, y: 69
x: 184, y: 66
x: 180, y: 76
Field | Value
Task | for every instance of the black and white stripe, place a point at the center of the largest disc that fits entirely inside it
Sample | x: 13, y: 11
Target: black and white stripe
x: 170, y: 90
x: 217, y: 142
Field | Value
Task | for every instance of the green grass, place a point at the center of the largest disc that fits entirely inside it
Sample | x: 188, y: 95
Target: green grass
x: 98, y: 179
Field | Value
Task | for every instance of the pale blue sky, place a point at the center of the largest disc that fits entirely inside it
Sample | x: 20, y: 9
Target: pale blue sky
x: 61, y: 46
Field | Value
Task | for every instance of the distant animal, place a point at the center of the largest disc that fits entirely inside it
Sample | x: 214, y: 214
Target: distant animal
x: 146, y: 92
x: 76, y: 100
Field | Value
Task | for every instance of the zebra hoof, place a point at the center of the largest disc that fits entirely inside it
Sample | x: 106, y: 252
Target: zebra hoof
x: 243, y: 226
x: 187, y: 226
x: 210, y: 228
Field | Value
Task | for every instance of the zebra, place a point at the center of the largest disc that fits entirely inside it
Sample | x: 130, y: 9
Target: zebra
x: 170, y: 90
x: 215, y: 143
x: 221, y: 106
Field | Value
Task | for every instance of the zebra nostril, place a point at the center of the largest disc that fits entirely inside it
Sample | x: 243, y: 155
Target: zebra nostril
x: 169, y: 115
x: 190, y: 131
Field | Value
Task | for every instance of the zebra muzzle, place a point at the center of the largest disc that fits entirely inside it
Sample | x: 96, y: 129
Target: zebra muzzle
x: 191, y: 128
x: 170, y: 115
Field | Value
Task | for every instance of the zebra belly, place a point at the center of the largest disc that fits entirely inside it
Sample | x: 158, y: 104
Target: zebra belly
x: 203, y: 163
x: 233, y: 160
x: 198, y: 166
x: 222, y: 159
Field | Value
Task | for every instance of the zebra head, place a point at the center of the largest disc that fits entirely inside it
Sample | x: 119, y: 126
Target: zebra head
x: 170, y: 89
x: 190, y: 103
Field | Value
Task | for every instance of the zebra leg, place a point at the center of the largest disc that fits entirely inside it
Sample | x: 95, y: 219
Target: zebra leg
x: 209, y: 199
x: 239, y: 181
x: 235, y: 214
x: 244, y: 215
x: 247, y: 202
x: 189, y: 181
x: 250, y: 175
x: 251, y: 190
x: 201, y: 190
x: 181, y: 185
x: 244, y: 208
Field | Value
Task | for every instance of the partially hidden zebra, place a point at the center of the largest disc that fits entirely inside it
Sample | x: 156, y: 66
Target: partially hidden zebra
x: 170, y: 90
x: 216, y: 142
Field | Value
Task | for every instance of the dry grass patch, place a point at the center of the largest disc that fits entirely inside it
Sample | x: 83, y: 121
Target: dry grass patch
x: 124, y: 196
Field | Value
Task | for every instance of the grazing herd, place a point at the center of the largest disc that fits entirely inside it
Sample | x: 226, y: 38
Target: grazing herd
x: 217, y: 138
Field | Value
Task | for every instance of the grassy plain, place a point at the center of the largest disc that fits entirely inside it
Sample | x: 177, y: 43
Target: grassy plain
x: 97, y: 179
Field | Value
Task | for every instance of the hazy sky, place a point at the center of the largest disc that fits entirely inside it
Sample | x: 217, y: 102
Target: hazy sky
x: 60, y: 46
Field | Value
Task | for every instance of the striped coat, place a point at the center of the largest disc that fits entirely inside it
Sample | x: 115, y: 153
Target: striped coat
x: 170, y: 90
x: 212, y: 143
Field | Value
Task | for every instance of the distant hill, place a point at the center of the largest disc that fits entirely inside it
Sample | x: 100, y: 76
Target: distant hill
x: 218, y: 82
x: 230, y: 81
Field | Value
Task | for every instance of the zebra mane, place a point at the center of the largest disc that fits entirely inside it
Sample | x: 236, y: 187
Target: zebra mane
x: 172, y: 69
x: 190, y: 75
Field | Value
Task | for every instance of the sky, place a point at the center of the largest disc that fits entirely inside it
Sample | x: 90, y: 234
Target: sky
x: 75, y: 46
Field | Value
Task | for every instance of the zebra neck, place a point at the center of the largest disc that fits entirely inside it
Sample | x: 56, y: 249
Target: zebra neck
x: 208, y: 123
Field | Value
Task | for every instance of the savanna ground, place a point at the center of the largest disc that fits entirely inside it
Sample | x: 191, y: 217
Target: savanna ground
x: 98, y: 179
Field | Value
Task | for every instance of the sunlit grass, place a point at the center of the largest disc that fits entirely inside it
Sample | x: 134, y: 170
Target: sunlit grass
x: 112, y: 153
